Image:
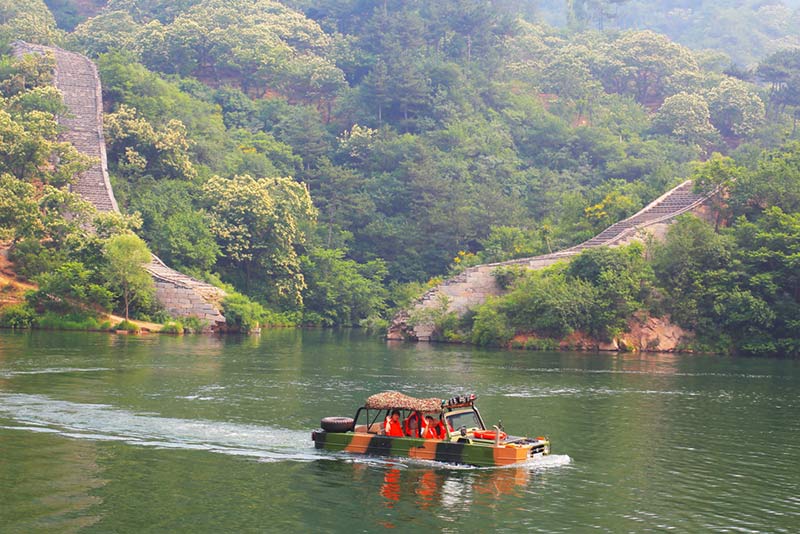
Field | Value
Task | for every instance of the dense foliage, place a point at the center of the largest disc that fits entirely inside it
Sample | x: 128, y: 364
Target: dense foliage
x: 47, y: 227
x: 737, y: 287
x: 310, y: 153
x: 596, y: 293
x: 404, y: 120
x: 742, y: 31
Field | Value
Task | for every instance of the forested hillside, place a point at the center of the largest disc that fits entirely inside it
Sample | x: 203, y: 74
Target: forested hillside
x: 740, y: 32
x: 327, y: 158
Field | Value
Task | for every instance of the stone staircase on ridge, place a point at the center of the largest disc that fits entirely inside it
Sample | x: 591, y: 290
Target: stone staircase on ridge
x: 475, y: 284
x: 76, y: 77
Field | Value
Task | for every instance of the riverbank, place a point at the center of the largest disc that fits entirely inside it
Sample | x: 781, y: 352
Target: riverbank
x: 13, y: 289
x: 644, y: 333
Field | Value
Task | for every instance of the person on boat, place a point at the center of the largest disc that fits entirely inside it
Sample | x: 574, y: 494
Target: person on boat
x: 429, y: 430
x: 440, y: 430
x: 412, y: 424
x: 392, y: 426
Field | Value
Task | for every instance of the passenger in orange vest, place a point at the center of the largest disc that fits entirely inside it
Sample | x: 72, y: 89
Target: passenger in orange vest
x: 412, y: 424
x: 392, y: 426
x: 440, y: 431
x: 428, y: 430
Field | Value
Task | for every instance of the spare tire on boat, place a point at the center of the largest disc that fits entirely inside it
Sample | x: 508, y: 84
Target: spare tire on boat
x: 336, y: 424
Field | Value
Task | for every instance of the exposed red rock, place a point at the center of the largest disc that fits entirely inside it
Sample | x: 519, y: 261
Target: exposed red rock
x: 643, y: 334
x: 653, y: 334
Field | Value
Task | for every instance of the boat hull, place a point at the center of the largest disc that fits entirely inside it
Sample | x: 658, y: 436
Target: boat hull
x: 470, y: 452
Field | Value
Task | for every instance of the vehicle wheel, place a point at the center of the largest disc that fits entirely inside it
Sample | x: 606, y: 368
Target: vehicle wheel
x: 336, y: 424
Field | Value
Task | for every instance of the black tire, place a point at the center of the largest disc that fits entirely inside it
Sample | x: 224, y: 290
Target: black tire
x: 336, y: 424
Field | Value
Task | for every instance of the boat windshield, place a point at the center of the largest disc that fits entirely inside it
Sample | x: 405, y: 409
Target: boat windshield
x: 468, y: 419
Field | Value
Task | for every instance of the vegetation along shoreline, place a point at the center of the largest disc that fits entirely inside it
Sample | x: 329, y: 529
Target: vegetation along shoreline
x: 235, y: 165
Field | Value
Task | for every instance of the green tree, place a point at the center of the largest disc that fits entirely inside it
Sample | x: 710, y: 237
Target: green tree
x: 623, y: 281
x: 686, y: 116
x: 159, y: 102
x: 691, y: 260
x: 304, y: 131
x: 614, y: 207
x: 769, y: 250
x: 509, y: 242
x: 28, y: 20
x: 774, y: 182
x: 262, y: 46
x: 491, y: 326
x: 242, y: 314
x: 582, y: 14
x: 782, y: 70
x: 342, y: 198
x: 341, y: 292
x: 70, y: 288
x: 30, y: 148
x: 568, y: 76
x: 736, y: 110
x: 718, y: 173
x: 139, y: 148
x: 126, y: 254
x: 549, y: 303
x: 259, y: 223
x: 145, y: 10
x: 176, y: 230
x: 108, y: 31
x: 646, y: 65
x: 21, y: 74
x: 19, y: 215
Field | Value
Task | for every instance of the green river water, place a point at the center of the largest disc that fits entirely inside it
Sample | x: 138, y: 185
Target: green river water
x: 104, y: 433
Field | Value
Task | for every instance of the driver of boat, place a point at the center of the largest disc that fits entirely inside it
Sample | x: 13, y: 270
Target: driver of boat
x: 392, y: 426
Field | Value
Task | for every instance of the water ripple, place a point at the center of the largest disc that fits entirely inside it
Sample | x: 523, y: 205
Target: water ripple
x: 102, y: 422
x: 53, y: 370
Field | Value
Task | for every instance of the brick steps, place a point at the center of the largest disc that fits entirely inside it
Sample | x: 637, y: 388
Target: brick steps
x: 77, y: 79
x: 675, y: 202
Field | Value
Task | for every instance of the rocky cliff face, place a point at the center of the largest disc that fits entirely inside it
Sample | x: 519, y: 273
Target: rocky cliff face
x: 642, y: 334
x: 653, y: 334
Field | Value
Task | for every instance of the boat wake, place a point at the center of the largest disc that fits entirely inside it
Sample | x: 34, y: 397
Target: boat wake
x: 52, y: 370
x: 403, y: 462
x: 102, y: 422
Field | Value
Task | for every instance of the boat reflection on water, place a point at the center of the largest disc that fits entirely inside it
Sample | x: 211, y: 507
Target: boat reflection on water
x: 450, y: 488
x: 499, y: 482
x: 427, y: 488
x: 390, y: 489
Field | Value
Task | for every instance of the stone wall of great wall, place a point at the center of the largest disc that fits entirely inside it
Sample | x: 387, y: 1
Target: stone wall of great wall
x: 77, y: 78
x: 475, y: 284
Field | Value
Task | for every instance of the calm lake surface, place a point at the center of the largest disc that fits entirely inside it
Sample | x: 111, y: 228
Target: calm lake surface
x: 103, y: 433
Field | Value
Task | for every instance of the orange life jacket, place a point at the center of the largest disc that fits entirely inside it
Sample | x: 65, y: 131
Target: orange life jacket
x: 412, y: 432
x: 429, y: 431
x: 393, y: 428
x: 440, y: 430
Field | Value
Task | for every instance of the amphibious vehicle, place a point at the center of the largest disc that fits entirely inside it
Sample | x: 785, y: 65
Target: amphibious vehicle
x: 461, y: 436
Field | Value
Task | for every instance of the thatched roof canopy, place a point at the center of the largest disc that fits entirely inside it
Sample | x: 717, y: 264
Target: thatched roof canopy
x: 388, y: 400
